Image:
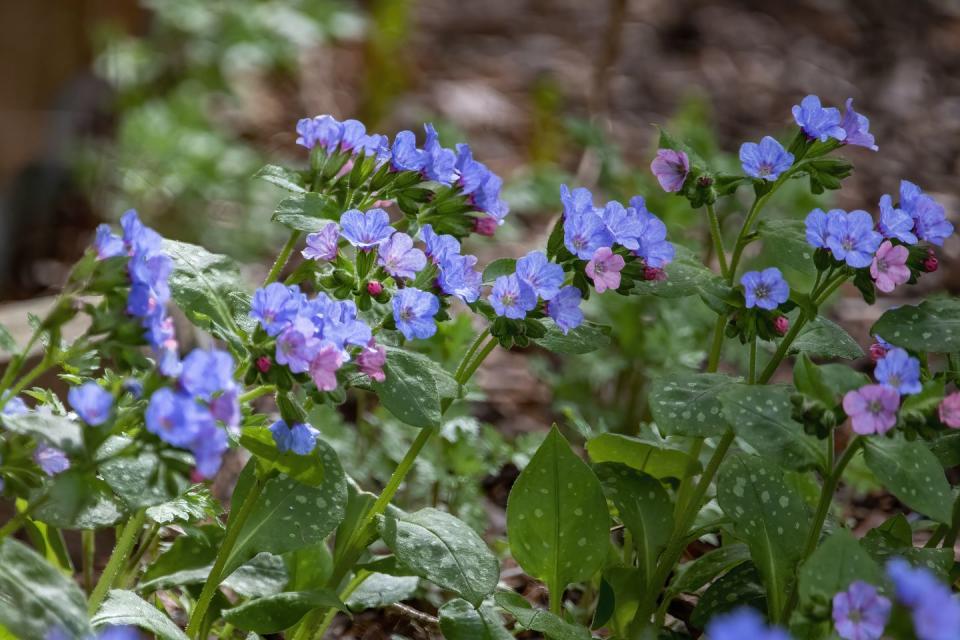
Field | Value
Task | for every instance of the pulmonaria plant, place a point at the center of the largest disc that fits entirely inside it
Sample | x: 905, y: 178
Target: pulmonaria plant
x: 721, y: 499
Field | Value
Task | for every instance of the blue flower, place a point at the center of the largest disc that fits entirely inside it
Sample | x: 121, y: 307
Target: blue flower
x: 624, y: 224
x: 413, y: 312
x: 765, y: 289
x: 743, y: 624
x: 857, y: 128
x: 543, y: 276
x: 275, y: 307
x: 818, y: 122
x: 208, y: 449
x: 207, y: 372
x: 860, y: 613
x: 512, y: 297
x: 138, y: 238
x: 324, y: 130
x: 366, y: 230
x: 301, y: 438
x: 399, y: 258
x: 564, y: 309
x: 107, y: 244
x: 930, y: 221
x: 322, y: 245
x: 50, y: 459
x: 852, y: 238
x: 174, y: 417
x: 654, y: 248
x: 337, y: 323
x: 909, y: 195
x: 14, y: 406
x: 439, y: 247
x: 353, y: 135
x: 487, y: 199
x: 575, y: 202
x: 584, y: 233
x: 766, y: 160
x: 405, y: 154
x: 895, y: 223
x: 899, y: 370
x: 91, y: 402
x: 816, y: 224
x: 226, y: 407
x: 459, y: 278
x: 936, y: 611
x: 471, y: 174
x: 297, y: 346
x: 441, y: 163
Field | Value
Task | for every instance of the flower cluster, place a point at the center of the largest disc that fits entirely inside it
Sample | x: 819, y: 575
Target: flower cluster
x: 823, y: 123
x: 515, y: 295
x: 301, y: 438
x: 934, y: 609
x: 873, y: 408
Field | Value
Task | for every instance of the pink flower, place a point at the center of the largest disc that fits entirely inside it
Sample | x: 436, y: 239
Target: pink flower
x: 374, y: 288
x: 323, y: 367
x: 671, y: 169
x: 930, y: 263
x: 889, y: 267
x: 950, y: 410
x: 781, y: 324
x: 877, y: 351
x: 872, y: 408
x: 485, y: 226
x: 371, y: 360
x: 604, y: 269
x: 263, y: 364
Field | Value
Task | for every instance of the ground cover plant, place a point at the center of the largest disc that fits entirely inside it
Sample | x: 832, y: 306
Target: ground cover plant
x: 747, y: 464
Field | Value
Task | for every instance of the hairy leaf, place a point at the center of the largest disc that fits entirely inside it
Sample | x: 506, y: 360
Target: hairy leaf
x: 933, y: 325
x: 910, y: 471
x: 687, y: 403
x: 459, y: 620
x: 125, y: 608
x: 273, y: 614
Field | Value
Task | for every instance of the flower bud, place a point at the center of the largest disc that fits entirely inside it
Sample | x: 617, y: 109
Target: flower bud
x: 877, y: 351
x: 930, y: 263
x: 653, y: 273
x: 374, y: 288
x: 264, y: 364
x: 781, y: 324
x: 484, y: 226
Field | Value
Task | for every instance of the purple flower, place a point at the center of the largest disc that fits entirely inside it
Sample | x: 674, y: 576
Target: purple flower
x: 857, y: 128
x: 354, y: 136
x: 300, y: 438
x: 371, y: 359
x: 895, y: 223
x: 655, y: 251
x: 949, y: 410
x: 50, y: 459
x: 624, y: 224
x: 671, y: 168
x: 604, y: 269
x: 816, y: 223
x: 583, y: 234
x: 322, y: 245
x: 487, y: 199
x: 766, y: 160
x: 399, y: 258
x: 930, y: 221
x: 909, y: 195
x: 136, y: 237
x: 405, y: 155
x: 512, y: 297
x: 860, y: 613
x: 471, y: 174
x: 206, y: 372
x: 742, y: 624
x: 936, y: 611
x: 324, y: 367
x: 175, y: 418
x: 208, y: 449
x: 321, y: 130
x: 440, y: 164
x: 14, y: 406
x: 541, y: 275
x: 297, y: 346
x: 851, y: 237
x: 564, y: 309
x: 765, y: 289
x: 872, y: 408
x: 458, y: 278
x: 413, y: 312
x: 91, y: 402
x: 818, y: 122
x: 576, y: 202
x: 366, y: 230
x: 275, y: 306
x: 107, y: 244
x: 226, y: 408
x: 899, y: 370
x: 439, y: 247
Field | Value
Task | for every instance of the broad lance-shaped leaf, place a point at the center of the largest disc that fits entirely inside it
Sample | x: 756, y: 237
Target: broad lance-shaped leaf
x: 769, y: 515
x: 307, y: 212
x: 693, y: 575
x: 77, y: 499
x: 686, y: 276
x: 196, y: 503
x: 550, y: 625
x: 586, y: 338
x: 444, y: 550
x: 655, y: 457
x: 687, y: 403
x: 837, y: 562
x: 125, y: 608
x: 824, y: 338
x: 288, y: 514
x: 557, y: 519
x: 380, y: 589
x: 739, y: 587
x: 497, y: 268
x: 35, y: 597
x: 59, y: 431
x: 414, y: 387
x: 275, y: 613
x: 910, y: 471
x: 644, y: 507
x: 785, y: 243
x: 459, y: 620
x: 762, y: 417
x: 282, y: 177
x: 932, y: 326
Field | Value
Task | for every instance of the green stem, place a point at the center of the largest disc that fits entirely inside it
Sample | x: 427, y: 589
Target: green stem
x: 556, y: 599
x: 146, y: 543
x: 752, y: 374
x: 257, y: 392
x: 951, y: 538
x: 125, y: 541
x: 16, y: 364
x: 717, y: 239
x: 89, y: 550
x: 17, y: 521
x: 332, y: 613
x: 716, y: 346
x: 234, y: 525
x: 28, y: 377
x: 472, y: 349
x: 471, y: 369
x: 282, y: 258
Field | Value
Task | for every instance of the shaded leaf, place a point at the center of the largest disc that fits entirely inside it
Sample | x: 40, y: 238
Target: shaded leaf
x: 414, y: 387
x: 693, y: 575
x: 657, y: 458
x: 739, y: 587
x: 77, y: 499
x: 197, y: 503
x: 785, y: 242
x: 380, y: 590
x: 687, y: 403
x: 837, y: 562
x: 823, y: 338
x: 282, y: 177
x: 459, y: 620
x: 539, y: 620
x: 125, y: 608
x: 308, y: 212
x: 934, y: 326
x: 499, y: 267
x: 910, y: 471
x: 586, y: 338
x: 273, y: 614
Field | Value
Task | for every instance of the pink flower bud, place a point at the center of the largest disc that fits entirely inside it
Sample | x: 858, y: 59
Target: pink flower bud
x: 484, y: 226
x: 781, y: 324
x: 877, y: 351
x: 653, y: 273
x: 264, y: 364
x: 930, y: 263
x: 374, y: 288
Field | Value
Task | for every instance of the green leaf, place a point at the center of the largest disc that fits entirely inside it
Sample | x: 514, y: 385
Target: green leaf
x: 125, y: 608
x: 59, y: 431
x: 7, y: 343
x: 947, y: 449
x: 197, y: 503
x: 824, y: 338
x: 309, y: 567
x: 557, y: 519
x: 687, y: 403
x: 459, y: 620
x: 380, y: 590
x: 586, y: 338
x: 444, y: 550
x: 289, y: 514
x: 910, y: 471
x: 36, y: 597
x: 827, y: 382
x: 762, y: 417
x: 785, y: 243
x: 690, y: 577
x: 264, y: 575
x: 499, y: 267
x: 769, y: 515
x: 927, y: 401
x: 141, y: 481
x: 282, y: 177
x: 657, y: 458
x: 739, y: 587
x: 932, y: 326
x: 629, y: 586
x: 308, y: 469
x: 839, y: 561
x: 307, y: 212
x: 414, y: 387
x: 77, y: 499
x: 686, y: 276
x: 643, y: 506
x: 539, y: 620
x: 280, y: 611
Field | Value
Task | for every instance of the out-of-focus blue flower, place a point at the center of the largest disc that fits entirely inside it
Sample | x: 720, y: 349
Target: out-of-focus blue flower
x: 441, y: 163
x: 413, y: 312
x: 543, y: 276
x: 439, y: 247
x: 857, y: 128
x: 895, y: 223
x: 107, y: 244
x: 743, y: 624
x: 898, y: 369
x: 860, y: 613
x: 766, y: 160
x: 654, y: 248
x: 297, y: 346
x: 935, y: 609
x: 300, y: 438
x: 564, y: 308
x: 852, y: 238
x: 817, y: 121
x: 275, y: 306
x: 405, y: 154
x: 930, y: 221
x: 512, y: 297
x: 92, y: 403
x: 207, y: 372
x: 584, y: 233
x: 400, y: 258
x: 322, y: 245
x: 226, y: 408
x: 50, y: 459
x: 458, y: 277
x: 208, y: 449
x: 765, y: 289
x: 624, y: 224
x: 366, y: 230
x: 175, y: 418
x: 15, y: 406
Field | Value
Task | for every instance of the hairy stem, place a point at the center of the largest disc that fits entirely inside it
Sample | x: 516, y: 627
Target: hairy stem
x: 125, y: 541
x: 282, y: 258
x: 717, y: 239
